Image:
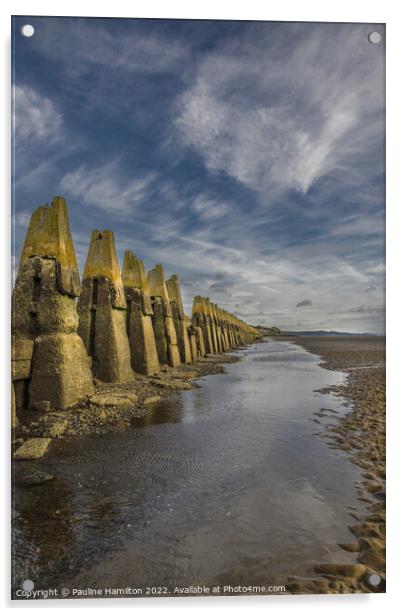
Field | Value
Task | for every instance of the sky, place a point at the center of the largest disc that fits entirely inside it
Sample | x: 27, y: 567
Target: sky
x: 247, y: 157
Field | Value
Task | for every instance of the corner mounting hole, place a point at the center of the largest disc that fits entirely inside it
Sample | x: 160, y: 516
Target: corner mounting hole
x: 374, y: 579
x: 27, y: 30
x: 374, y: 37
x: 28, y: 585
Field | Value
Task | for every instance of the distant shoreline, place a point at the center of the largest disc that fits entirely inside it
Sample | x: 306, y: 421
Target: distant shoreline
x: 325, y: 333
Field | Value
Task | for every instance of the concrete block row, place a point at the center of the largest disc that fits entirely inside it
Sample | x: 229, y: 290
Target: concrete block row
x: 115, y: 324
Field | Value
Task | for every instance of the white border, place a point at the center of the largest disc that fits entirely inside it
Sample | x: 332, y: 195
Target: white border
x: 285, y: 10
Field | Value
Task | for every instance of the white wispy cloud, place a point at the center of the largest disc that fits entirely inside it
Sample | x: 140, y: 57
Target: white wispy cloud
x: 21, y: 219
x: 82, y: 43
x: 104, y: 187
x: 291, y: 113
x: 278, y: 121
x: 210, y: 209
x: 36, y: 120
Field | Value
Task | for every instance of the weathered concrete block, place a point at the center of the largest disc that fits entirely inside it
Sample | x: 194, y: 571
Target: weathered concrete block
x: 21, y: 357
x: 200, y: 342
x: 60, y: 371
x: 144, y: 354
x: 226, y: 331
x: 158, y: 323
x: 32, y: 449
x: 49, y: 235
x: 172, y: 347
x: 221, y: 330
x: 44, y: 406
x: 44, y: 315
x: 201, y: 319
x: 116, y: 400
x: 179, y: 319
x: 193, y: 343
x: 151, y: 400
x: 14, y: 418
x: 102, y: 312
x: 211, y: 320
x: 162, y: 319
x: 21, y: 393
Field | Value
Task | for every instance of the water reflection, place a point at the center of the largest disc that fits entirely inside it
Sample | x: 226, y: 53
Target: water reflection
x: 221, y: 484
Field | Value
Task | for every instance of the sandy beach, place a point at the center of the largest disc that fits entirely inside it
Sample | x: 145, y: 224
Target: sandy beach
x: 114, y: 406
x: 361, y: 433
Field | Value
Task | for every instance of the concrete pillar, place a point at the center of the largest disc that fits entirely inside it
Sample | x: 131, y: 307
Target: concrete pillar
x: 220, y: 330
x: 162, y: 319
x: 216, y: 321
x: 225, y: 330
x: 212, y: 325
x: 232, y: 331
x: 144, y: 354
x: 14, y: 418
x: 224, y: 342
x: 192, y: 336
x: 200, y: 319
x: 179, y: 320
x: 200, y: 342
x: 102, y: 311
x: 50, y: 366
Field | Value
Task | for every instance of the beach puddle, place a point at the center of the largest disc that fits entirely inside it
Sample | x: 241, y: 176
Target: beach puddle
x: 228, y: 483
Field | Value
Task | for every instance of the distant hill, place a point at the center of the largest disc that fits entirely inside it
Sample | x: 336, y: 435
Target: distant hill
x: 322, y: 332
x: 270, y: 331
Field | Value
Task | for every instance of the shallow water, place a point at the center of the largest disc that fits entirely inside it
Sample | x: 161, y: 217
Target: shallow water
x: 229, y: 483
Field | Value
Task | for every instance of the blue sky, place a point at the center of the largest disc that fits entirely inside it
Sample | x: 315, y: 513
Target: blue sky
x: 248, y: 157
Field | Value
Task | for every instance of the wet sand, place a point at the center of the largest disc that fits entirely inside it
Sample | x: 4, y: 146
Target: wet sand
x: 115, y: 406
x: 360, y: 433
x: 222, y: 484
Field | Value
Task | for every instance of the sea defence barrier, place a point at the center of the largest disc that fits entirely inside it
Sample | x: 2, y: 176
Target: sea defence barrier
x: 144, y: 354
x: 50, y: 365
x: 162, y: 319
x: 116, y: 324
x: 102, y: 311
x: 201, y: 320
x: 179, y: 319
